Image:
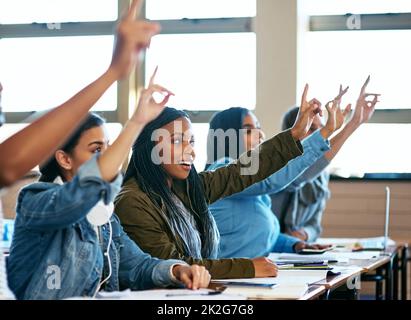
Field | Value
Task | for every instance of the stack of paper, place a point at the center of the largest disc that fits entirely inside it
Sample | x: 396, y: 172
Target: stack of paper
x: 329, y: 256
x: 291, y: 284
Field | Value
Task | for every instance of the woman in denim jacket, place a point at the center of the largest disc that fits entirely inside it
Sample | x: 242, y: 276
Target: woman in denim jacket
x: 56, y: 252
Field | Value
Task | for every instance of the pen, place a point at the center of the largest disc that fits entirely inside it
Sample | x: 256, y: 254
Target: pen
x: 210, y: 293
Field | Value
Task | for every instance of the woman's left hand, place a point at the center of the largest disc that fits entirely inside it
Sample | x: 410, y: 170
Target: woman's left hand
x: 148, y: 109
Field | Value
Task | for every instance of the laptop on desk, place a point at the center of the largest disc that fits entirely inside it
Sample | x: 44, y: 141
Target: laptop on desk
x: 380, y: 243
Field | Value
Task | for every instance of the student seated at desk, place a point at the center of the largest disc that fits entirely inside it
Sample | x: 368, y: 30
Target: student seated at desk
x: 300, y: 206
x: 56, y: 231
x: 247, y: 226
x: 163, y: 204
x: 36, y: 142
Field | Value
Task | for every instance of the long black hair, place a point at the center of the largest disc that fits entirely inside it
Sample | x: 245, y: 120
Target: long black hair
x: 229, y: 119
x: 152, y: 179
x: 50, y: 170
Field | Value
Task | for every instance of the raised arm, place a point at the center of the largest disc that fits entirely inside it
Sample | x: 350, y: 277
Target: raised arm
x: 260, y: 163
x: 35, y: 143
x: 147, y: 110
x: 364, y: 109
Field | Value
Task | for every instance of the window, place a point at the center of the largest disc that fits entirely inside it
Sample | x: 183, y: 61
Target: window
x: 40, y: 11
x: 180, y: 9
x: 375, y: 148
x: 206, y: 71
x: 334, y: 57
x: 49, y: 50
x: 42, y: 72
x: 336, y: 7
x: 332, y: 53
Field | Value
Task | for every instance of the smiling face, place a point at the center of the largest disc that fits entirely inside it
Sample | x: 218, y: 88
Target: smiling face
x: 253, y: 134
x: 179, y: 145
x: 92, y: 141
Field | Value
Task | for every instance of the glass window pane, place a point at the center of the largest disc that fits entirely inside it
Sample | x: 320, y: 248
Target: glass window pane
x: 347, y: 57
x: 375, y: 148
x: 206, y: 71
x: 41, y: 73
x: 325, y: 7
x: 179, y: 9
x: 7, y: 130
x: 28, y: 11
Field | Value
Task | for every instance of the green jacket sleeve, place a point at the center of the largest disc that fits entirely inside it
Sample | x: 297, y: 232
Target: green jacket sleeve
x: 252, y: 166
x: 146, y: 227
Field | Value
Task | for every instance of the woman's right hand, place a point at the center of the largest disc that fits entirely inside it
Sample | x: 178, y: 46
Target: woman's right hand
x: 264, y: 267
x: 132, y: 36
x: 336, y: 116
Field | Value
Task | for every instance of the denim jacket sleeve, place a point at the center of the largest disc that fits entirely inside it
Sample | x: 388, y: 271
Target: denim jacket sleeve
x: 285, y: 243
x: 45, y: 206
x: 139, y: 271
x: 314, y: 148
x: 310, y: 174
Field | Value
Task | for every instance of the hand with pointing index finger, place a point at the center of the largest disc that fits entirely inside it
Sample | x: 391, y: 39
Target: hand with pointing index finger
x: 336, y: 116
x: 148, y: 109
x: 132, y: 36
x: 364, y: 108
x: 308, y: 110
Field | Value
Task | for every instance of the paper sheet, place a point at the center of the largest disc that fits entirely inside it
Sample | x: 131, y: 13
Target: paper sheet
x: 282, y: 291
x: 168, y: 294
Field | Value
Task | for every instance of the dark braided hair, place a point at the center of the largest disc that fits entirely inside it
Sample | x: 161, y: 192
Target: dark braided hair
x: 152, y: 179
x: 50, y: 170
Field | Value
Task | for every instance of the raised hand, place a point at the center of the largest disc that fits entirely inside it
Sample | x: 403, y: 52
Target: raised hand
x: 364, y: 108
x: 336, y: 116
x: 193, y: 277
x: 132, y: 36
x: 264, y: 267
x: 148, y: 109
x: 306, y: 114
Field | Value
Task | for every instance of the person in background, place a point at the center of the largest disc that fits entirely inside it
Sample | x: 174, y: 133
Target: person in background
x: 163, y: 204
x: 300, y: 206
x: 247, y: 226
x: 27, y: 148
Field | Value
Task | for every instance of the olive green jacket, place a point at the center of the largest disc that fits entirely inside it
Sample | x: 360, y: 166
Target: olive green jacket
x: 144, y: 222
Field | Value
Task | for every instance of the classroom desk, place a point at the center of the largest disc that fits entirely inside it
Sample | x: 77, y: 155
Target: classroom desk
x: 403, y: 262
x: 387, y: 268
x: 349, y: 275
